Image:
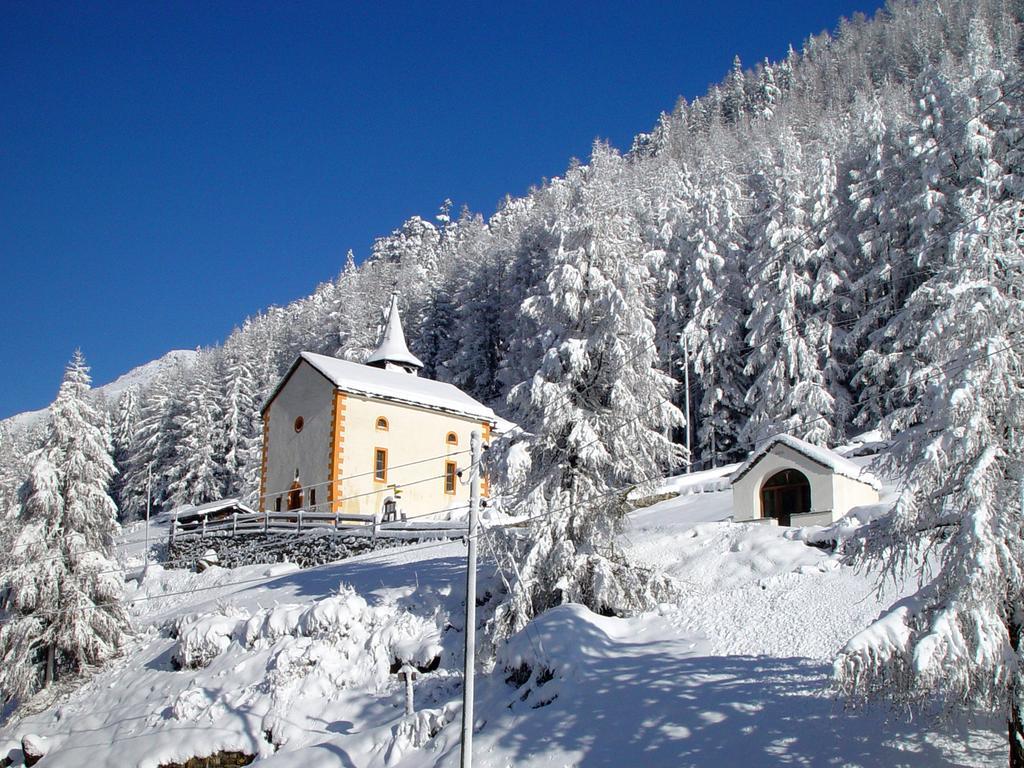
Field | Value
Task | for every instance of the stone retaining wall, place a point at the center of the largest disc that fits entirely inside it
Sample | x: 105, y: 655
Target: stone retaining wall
x: 309, y: 548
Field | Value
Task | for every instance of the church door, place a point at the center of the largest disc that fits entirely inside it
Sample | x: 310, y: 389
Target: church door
x: 785, y: 494
x: 295, y: 496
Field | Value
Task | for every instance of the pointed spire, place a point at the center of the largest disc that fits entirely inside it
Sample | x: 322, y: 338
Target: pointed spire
x: 392, y: 352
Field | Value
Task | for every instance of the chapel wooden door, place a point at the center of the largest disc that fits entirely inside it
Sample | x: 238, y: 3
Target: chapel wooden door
x: 785, y: 494
x: 295, y: 496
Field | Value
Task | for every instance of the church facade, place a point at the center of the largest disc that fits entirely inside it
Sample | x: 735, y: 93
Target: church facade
x: 368, y: 439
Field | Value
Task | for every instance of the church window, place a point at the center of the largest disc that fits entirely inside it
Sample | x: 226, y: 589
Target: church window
x: 380, y: 465
x: 312, y: 497
x: 382, y: 424
x: 277, y: 504
x: 299, y: 423
x: 451, y: 438
x: 450, y: 473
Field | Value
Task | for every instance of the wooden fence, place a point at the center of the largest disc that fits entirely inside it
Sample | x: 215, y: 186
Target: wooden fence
x: 296, y: 521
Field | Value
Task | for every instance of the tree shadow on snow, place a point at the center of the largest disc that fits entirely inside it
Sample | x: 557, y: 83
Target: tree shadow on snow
x: 369, y: 575
x: 646, y: 704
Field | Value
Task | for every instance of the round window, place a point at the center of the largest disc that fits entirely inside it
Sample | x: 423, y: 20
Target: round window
x: 299, y: 423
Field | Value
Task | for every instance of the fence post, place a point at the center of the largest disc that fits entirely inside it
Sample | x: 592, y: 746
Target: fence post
x: 204, y: 526
x: 174, y: 525
x: 266, y: 521
x: 374, y: 529
x: 337, y: 521
x: 300, y: 522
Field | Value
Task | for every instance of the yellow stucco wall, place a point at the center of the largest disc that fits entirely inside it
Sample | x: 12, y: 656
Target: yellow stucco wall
x: 413, y: 434
x: 334, y: 451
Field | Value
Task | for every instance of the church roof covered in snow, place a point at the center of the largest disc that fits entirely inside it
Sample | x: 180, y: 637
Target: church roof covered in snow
x: 827, y: 458
x: 359, y: 379
x: 392, y: 347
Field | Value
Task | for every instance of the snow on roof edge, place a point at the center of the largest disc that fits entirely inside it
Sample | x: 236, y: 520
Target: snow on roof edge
x: 828, y: 458
x: 461, y: 405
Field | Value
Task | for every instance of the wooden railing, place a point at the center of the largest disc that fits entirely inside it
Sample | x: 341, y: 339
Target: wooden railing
x: 299, y: 520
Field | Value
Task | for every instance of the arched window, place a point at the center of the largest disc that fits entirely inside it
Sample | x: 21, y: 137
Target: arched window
x: 382, y: 424
x: 299, y: 423
x: 451, y: 438
x: 785, y: 494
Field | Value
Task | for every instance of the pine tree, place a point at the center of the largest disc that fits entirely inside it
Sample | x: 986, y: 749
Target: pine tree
x: 788, y: 392
x: 198, y: 473
x: 123, y: 438
x: 958, y: 432
x: 595, y: 411
x: 154, y: 456
x: 241, y: 428
x: 62, y: 583
x: 922, y: 216
x: 714, y: 331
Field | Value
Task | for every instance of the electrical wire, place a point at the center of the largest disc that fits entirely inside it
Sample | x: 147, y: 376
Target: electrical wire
x: 519, y: 522
x: 567, y: 398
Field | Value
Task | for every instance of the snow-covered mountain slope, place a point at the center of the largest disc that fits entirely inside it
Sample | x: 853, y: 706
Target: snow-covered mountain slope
x: 139, y: 376
x: 292, y: 664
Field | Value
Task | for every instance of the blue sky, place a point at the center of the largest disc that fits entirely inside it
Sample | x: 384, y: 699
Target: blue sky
x: 170, y: 168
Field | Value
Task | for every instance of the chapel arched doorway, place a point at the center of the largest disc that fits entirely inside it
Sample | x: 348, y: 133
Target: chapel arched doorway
x: 785, y: 494
x: 295, y: 496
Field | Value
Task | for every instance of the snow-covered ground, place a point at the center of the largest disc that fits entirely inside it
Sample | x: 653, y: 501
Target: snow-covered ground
x: 294, y: 665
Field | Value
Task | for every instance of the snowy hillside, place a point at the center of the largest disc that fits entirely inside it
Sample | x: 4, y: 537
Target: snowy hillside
x: 294, y: 666
x: 819, y: 245
x: 141, y: 376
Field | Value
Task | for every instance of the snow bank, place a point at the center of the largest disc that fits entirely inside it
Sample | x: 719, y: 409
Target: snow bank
x: 370, y: 638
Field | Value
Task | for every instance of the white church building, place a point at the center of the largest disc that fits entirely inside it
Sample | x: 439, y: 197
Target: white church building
x: 369, y: 438
x: 791, y: 482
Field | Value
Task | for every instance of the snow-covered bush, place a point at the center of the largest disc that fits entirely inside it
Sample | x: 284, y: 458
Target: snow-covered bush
x: 201, y: 638
x: 345, y: 626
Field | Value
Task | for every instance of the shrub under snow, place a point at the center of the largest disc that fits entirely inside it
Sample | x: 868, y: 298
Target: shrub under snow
x: 369, y: 638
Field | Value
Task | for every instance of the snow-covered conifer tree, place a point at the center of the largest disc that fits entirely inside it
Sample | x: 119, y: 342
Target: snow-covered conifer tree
x: 788, y: 391
x: 154, y: 445
x: 241, y: 426
x: 595, y: 411
x: 714, y: 331
x: 922, y: 215
x: 122, y: 438
x: 958, y: 432
x: 62, y: 583
x: 198, y: 475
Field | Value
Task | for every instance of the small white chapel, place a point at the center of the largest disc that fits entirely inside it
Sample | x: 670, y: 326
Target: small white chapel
x: 370, y: 438
x: 788, y: 481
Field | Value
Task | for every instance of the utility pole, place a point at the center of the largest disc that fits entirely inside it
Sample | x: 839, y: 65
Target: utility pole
x: 686, y: 387
x: 149, y: 503
x: 467, y: 684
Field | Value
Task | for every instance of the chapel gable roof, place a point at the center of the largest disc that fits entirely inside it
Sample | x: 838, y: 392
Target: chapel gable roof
x: 825, y: 457
x: 359, y: 379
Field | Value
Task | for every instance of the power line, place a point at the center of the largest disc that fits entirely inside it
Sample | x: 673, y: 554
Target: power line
x: 344, y: 478
x: 567, y: 398
x: 584, y: 502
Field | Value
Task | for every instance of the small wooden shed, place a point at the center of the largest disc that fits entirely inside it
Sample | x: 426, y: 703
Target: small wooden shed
x: 788, y: 481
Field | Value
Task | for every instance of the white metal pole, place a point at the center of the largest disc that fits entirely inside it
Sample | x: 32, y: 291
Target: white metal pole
x: 686, y: 385
x: 409, y: 673
x: 149, y: 502
x: 467, y: 685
